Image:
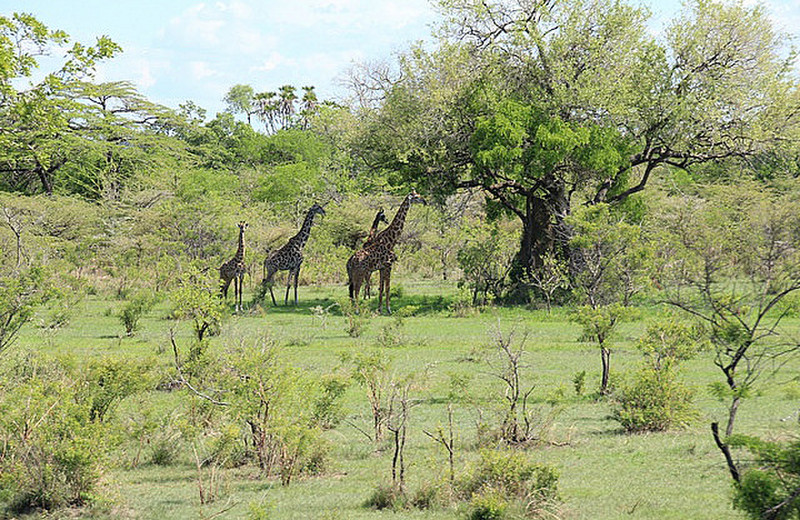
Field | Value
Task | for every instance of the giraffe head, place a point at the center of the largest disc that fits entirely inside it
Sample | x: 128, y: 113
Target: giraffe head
x: 381, y: 217
x: 415, y: 198
x: 243, y: 225
x: 316, y: 209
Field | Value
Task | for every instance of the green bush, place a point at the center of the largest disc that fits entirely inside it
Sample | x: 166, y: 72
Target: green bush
x: 654, y: 401
x: 108, y: 381
x: 489, y: 504
x: 133, y: 310
x: 386, y: 496
x: 55, y: 460
x: 767, y: 488
x: 508, y: 477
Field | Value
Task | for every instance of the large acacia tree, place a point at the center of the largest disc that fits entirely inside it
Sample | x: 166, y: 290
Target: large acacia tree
x: 543, y: 104
x: 65, y: 133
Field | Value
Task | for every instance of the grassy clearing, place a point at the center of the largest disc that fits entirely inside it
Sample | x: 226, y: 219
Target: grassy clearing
x: 604, y: 474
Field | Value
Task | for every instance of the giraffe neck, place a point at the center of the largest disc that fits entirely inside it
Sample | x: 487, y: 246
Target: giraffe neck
x: 395, y: 227
x: 374, y: 228
x: 305, y: 230
x: 240, y: 251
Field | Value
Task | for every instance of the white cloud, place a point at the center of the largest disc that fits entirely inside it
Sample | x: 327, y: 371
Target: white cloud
x: 201, y: 70
x: 273, y: 60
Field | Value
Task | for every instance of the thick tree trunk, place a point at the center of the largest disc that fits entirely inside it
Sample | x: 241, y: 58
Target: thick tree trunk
x: 544, y: 232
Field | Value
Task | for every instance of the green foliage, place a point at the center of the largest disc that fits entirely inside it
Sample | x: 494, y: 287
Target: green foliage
x: 669, y: 341
x: 578, y: 382
x: 768, y: 488
x: 386, y: 496
x: 502, y: 477
x: 108, y: 381
x: 52, y: 449
x: 134, y: 309
x: 356, y: 315
x: 20, y: 295
x: 328, y: 411
x: 656, y: 400
x: 197, y: 299
x: 278, y: 405
x: 485, y: 259
x: 487, y: 505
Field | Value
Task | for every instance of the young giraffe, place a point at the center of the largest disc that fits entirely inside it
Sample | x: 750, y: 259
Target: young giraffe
x: 290, y: 256
x: 379, y: 217
x: 379, y: 255
x: 233, y: 270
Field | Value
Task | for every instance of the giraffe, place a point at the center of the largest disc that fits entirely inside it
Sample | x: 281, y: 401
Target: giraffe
x: 233, y: 270
x: 379, y: 217
x: 378, y: 255
x: 290, y: 256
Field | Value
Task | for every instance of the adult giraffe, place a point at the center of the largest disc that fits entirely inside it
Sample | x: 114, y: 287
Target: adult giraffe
x: 379, y: 255
x: 234, y: 270
x: 290, y: 256
x: 379, y: 217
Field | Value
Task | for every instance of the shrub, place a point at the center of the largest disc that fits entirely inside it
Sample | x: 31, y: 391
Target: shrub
x: 55, y: 461
x: 133, y: 310
x: 327, y: 411
x: 654, y: 401
x: 108, y: 381
x: 507, y: 476
x: 386, y: 496
x: 357, y: 317
x: 487, y: 505
x: 768, y: 488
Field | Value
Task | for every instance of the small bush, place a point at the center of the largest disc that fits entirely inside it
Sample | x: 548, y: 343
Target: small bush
x: 357, y: 317
x: 386, y: 496
x: 133, y: 310
x: 654, y: 401
x: 508, y: 477
x: 487, y: 505
x: 327, y: 411
x: 579, y: 382
x: 56, y: 460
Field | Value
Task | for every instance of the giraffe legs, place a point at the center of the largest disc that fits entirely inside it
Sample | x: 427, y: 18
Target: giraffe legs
x: 224, y: 284
x: 268, y: 283
x: 384, y: 286
x: 238, y: 283
x: 296, y: 276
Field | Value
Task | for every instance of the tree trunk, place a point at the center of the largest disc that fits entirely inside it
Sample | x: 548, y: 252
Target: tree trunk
x: 605, y: 355
x: 543, y: 231
x: 732, y: 415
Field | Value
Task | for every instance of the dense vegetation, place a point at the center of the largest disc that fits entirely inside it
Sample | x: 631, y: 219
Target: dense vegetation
x: 608, y: 271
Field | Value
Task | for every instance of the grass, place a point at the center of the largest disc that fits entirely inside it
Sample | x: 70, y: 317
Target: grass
x: 604, y: 474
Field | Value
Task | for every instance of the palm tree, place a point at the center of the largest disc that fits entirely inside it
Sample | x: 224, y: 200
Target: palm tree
x: 286, y: 105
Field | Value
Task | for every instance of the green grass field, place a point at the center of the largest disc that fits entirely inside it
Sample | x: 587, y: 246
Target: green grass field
x: 604, y: 473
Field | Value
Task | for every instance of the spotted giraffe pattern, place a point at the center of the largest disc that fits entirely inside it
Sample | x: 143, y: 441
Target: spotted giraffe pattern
x: 379, y: 217
x: 233, y: 271
x: 290, y: 256
x: 379, y: 255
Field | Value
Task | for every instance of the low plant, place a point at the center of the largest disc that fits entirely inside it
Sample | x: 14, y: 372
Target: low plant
x: 131, y: 313
x: 386, y: 496
x: 656, y: 399
x: 505, y: 479
x: 357, y: 317
x: 56, y: 459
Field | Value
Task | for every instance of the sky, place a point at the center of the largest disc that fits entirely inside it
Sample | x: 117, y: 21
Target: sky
x: 179, y: 50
